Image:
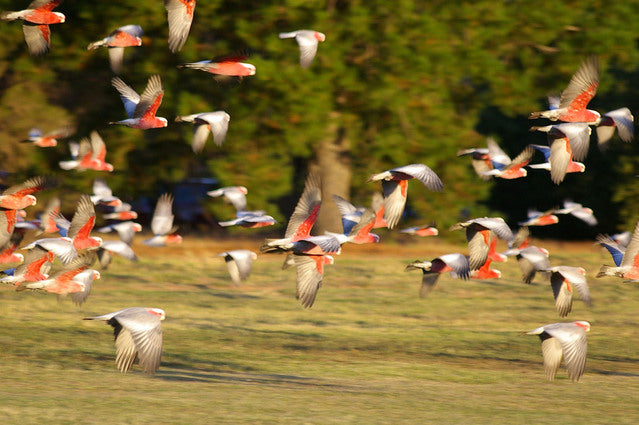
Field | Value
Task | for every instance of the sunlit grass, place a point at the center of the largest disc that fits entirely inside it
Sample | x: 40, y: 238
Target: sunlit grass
x: 369, y: 351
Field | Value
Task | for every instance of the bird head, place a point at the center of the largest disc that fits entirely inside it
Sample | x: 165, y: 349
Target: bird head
x: 319, y: 36
x: 157, y: 312
x: 583, y: 324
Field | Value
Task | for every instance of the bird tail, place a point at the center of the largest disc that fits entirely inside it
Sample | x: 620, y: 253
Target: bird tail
x: 194, y: 65
x: 415, y: 265
x: 287, y: 35
x: 272, y: 245
x: 608, y: 271
x: 9, y: 16
x: 97, y: 44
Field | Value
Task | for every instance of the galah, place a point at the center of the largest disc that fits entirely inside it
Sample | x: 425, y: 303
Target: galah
x: 479, y: 233
x: 235, y: 195
x: 622, y: 120
x: 141, y: 109
x: 180, y: 16
x: 138, y: 334
x: 564, y: 280
x: 50, y: 139
x: 20, y: 196
x: 224, y: 67
x: 162, y: 223
x: 566, y: 141
x: 575, y: 98
x: 125, y: 36
x: 214, y: 122
x: 239, y: 263
x: 395, y: 184
x: 567, y: 340
x: 577, y: 210
x: 36, y: 20
x: 455, y: 262
x: 308, y: 41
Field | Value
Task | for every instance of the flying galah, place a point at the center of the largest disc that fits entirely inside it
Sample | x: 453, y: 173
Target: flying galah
x: 141, y: 109
x: 126, y: 36
x: 567, y: 340
x: 308, y: 41
x: 37, y: 18
x: 395, y: 184
x: 575, y: 98
x: 180, y: 16
x: 138, y: 334
x: 215, y: 122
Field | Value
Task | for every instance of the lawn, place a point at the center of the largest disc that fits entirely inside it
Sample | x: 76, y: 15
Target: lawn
x: 368, y: 352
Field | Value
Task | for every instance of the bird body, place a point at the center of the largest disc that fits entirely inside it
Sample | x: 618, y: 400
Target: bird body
x: 455, y: 262
x: 567, y: 340
x: 395, y: 185
x: 575, y: 98
x: 308, y: 41
x: 141, y: 109
x: 214, y: 122
x: 138, y: 334
x: 37, y: 18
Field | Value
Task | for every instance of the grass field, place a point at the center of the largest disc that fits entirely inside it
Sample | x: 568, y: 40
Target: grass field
x: 369, y: 351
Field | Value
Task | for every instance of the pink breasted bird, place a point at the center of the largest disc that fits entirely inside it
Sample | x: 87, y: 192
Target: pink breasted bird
x: 574, y: 99
x: 62, y: 283
x: 249, y: 219
x: 308, y: 41
x: 428, y: 230
x: 224, y: 67
x: 119, y: 247
x: 138, y: 334
x: 572, y: 167
x: 577, y: 210
x: 37, y: 18
x: 622, y: 120
x: 628, y: 267
x: 566, y: 141
x: 479, y: 233
x: 180, y: 17
x: 162, y: 223
x: 214, y: 122
x: 538, y: 218
x: 395, y: 184
x: 235, y: 195
x: 50, y: 139
x: 303, y: 218
x: 310, y: 273
x: 20, y: 196
x: 510, y: 169
x: 567, y: 340
x: 141, y: 109
x: 239, y: 263
x: 454, y: 262
x: 563, y: 280
x: 125, y: 36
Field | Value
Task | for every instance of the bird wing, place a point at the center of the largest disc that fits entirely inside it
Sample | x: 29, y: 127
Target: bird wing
x: 552, y: 353
x: 200, y: 134
x: 129, y: 97
x: 429, y: 280
x: 616, y: 250
x: 150, y: 99
x: 162, y: 221
x: 180, y: 17
x: 497, y: 156
x: 560, y: 157
x: 145, y: 332
x: 116, y: 57
x: 30, y: 186
x: 582, y: 87
x: 423, y: 173
x: 573, y: 343
x: 307, y: 208
x: 37, y: 37
x: 631, y: 256
x: 624, y: 121
x: 308, y: 48
x: 563, y: 297
x: 310, y: 272
x: 394, y: 201
x: 83, y: 219
x: 478, y: 244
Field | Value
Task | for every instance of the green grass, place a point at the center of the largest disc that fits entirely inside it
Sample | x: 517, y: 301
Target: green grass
x: 369, y: 351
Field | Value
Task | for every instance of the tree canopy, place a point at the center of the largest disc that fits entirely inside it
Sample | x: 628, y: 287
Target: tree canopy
x: 396, y: 83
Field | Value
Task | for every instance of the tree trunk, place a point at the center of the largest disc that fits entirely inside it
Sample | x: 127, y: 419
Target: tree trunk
x: 334, y: 162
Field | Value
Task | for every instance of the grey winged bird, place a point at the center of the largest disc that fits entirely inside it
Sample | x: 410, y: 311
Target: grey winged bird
x: 138, y: 334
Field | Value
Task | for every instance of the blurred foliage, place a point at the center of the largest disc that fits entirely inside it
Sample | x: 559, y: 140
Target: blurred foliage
x: 409, y: 81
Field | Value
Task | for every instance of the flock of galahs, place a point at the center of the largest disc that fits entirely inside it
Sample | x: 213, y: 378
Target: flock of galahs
x: 137, y: 329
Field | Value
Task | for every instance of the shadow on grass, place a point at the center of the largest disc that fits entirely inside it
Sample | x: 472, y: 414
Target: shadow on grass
x: 200, y: 375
